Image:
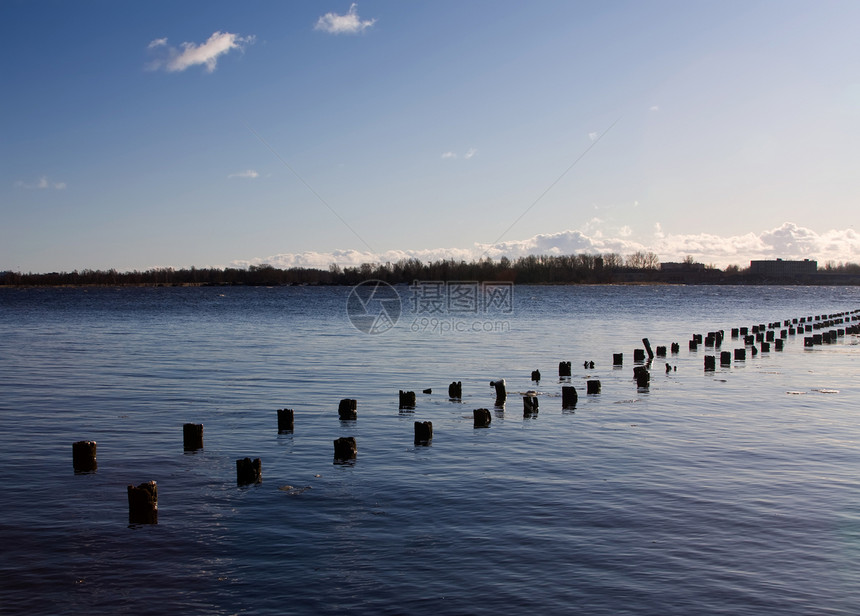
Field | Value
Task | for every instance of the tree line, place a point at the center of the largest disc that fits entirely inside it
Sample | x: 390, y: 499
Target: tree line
x: 533, y: 269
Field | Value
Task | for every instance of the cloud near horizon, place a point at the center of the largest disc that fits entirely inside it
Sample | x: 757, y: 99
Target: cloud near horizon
x: 42, y: 184
x: 173, y: 59
x: 348, y: 23
x: 248, y: 173
x: 788, y: 241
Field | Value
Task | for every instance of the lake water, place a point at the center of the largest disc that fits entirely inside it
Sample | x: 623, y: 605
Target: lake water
x: 735, y: 491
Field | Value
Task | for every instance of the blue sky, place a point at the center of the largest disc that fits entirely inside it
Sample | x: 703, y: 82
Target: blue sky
x: 153, y: 134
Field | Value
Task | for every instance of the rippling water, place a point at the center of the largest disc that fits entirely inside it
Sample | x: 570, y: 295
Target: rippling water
x: 728, y: 492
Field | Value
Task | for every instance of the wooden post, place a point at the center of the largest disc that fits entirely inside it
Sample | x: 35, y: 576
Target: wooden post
x: 501, y: 394
x: 423, y: 432
x: 740, y: 354
x: 348, y: 409
x: 84, y: 456
x: 345, y: 449
x: 530, y: 405
x: 638, y: 355
x: 592, y: 387
x: 536, y: 376
x: 617, y: 359
x: 647, y: 344
x: 725, y: 358
x: 455, y: 390
x: 642, y: 377
x: 143, y: 503
x: 777, y: 344
x: 569, y: 397
x: 285, y: 420
x: 482, y: 418
x: 710, y: 362
x: 660, y: 351
x: 249, y: 471
x: 676, y: 348
x: 407, y: 399
x: 563, y: 368
x: 192, y: 436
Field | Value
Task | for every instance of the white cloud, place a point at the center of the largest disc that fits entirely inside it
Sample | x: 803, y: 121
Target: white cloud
x: 173, y: 59
x: 249, y: 173
x: 654, y: 108
x: 41, y: 184
x: 470, y: 153
x: 788, y: 241
x: 625, y: 231
x: 593, y: 136
x: 349, y: 23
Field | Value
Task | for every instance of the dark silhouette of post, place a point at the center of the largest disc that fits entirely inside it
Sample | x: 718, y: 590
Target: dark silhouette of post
x: 249, y: 471
x: 143, y: 503
x: 84, y: 456
x: 192, y: 436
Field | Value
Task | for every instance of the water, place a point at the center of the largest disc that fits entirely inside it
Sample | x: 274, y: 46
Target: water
x: 732, y: 492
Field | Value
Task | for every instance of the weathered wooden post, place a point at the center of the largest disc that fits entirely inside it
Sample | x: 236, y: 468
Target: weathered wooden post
x: 569, y: 397
x: 530, y: 405
x: 647, y: 344
x: 642, y: 376
x: 725, y: 358
x: 710, y: 363
x: 192, y: 436
x: 563, y: 368
x: 143, y: 503
x: 693, y: 344
x: 638, y: 355
x: 735, y: 332
x: 660, y: 351
x: 617, y: 359
x: 423, y: 432
x: 592, y: 387
x: 345, y: 449
x: 808, y: 341
x: 84, y: 456
x: 765, y: 347
x: 455, y: 390
x: 285, y: 420
x: 740, y: 354
x: 249, y: 471
x: 675, y: 348
x: 407, y: 399
x: 777, y: 344
x: 501, y: 394
x: 536, y: 376
x: 347, y: 409
x: 482, y: 418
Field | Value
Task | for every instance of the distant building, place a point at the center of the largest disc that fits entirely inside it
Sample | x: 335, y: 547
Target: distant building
x: 781, y: 269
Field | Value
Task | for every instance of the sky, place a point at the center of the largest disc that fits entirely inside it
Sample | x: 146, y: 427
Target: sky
x: 136, y: 135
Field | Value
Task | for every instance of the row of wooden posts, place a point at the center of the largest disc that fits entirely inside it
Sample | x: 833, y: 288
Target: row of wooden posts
x: 143, y: 498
